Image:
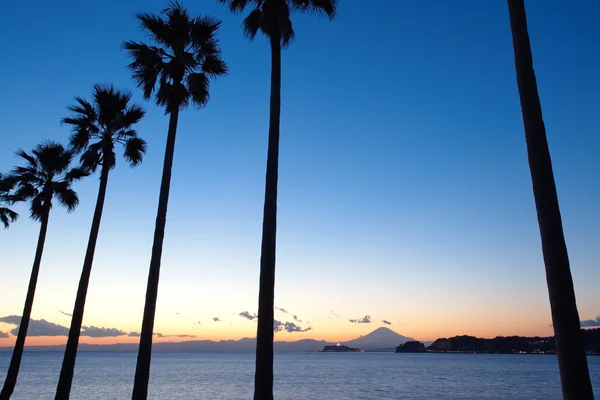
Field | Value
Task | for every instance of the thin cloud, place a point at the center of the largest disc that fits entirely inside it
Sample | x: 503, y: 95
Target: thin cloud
x: 216, y: 319
x: 291, y: 327
x: 36, y: 327
x: 45, y: 328
x: 385, y: 321
x: 589, y: 323
x: 247, y: 315
x: 364, y: 320
x: 96, y: 332
x: 283, y: 310
x: 41, y: 327
x: 198, y: 323
x: 333, y: 313
x: 65, y: 313
x: 176, y: 313
x: 3, y: 335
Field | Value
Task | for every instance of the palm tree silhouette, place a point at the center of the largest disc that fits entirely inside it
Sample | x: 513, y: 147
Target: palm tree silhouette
x: 46, y: 176
x: 272, y: 18
x: 97, y: 128
x: 177, y: 70
x: 7, y: 216
x: 572, y: 361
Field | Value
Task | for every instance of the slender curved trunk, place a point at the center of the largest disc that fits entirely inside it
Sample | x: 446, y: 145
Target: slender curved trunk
x: 572, y: 361
x: 263, y: 379
x: 15, y: 361
x: 63, y: 389
x: 142, y: 369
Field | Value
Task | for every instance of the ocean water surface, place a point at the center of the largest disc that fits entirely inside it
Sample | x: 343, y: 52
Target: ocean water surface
x: 315, y: 376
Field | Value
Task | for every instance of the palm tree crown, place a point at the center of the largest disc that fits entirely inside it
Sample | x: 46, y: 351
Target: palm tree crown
x: 272, y: 17
x: 98, y: 126
x: 7, y: 216
x: 185, y: 57
x: 46, y: 175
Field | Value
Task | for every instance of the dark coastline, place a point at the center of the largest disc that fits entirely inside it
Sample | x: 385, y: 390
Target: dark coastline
x: 500, y: 345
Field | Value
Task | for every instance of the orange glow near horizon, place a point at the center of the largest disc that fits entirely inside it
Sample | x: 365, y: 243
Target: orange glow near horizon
x: 330, y: 335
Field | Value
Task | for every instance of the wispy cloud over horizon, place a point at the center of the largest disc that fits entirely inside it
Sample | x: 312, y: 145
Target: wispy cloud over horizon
x: 216, y: 319
x: 283, y: 310
x: 45, y: 328
x: 97, y: 332
x: 247, y: 315
x: 334, y: 314
x: 364, y: 320
x: 385, y: 321
x: 36, y: 327
x: 589, y: 323
x: 3, y: 335
x: 65, y: 313
x: 290, y: 327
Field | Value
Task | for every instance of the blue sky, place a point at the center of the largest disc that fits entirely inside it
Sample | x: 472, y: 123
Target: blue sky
x: 404, y: 186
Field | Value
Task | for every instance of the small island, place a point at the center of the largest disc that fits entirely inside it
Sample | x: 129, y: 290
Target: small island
x: 338, y: 348
x: 412, y: 346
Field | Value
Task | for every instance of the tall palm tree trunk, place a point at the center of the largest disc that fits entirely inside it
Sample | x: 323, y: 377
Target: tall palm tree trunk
x: 565, y: 318
x: 263, y: 379
x: 142, y: 369
x: 15, y: 361
x: 65, y: 380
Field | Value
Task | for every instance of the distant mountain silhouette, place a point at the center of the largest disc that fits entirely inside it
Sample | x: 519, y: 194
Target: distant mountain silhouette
x: 381, y: 339
x: 245, y: 345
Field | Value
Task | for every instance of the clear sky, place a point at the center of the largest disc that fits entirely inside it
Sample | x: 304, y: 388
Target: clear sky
x: 405, y: 192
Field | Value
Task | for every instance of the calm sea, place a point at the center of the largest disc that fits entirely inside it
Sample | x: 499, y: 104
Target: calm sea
x: 303, y: 376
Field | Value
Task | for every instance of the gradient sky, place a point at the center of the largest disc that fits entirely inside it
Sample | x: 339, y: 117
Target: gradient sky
x: 405, y: 192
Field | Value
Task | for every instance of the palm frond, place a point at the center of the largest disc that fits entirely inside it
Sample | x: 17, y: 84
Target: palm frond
x: 179, y: 21
x: 31, y: 160
x: 198, y: 85
x: 28, y: 175
x: 131, y: 116
x: 76, y: 174
x: 7, y: 216
x: 203, y: 31
x: 53, y: 158
x: 124, y: 134
x: 156, y: 27
x: 110, y: 104
x: 79, y: 139
x: 252, y: 23
x: 24, y: 191
x: 67, y: 198
x: 135, y: 148
x: 147, y: 65
x: 324, y: 7
x: 164, y: 95
x: 91, y: 157
x: 36, y: 207
x: 236, y: 6
x: 83, y: 108
x: 7, y: 183
x: 214, y: 66
x: 288, y: 33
